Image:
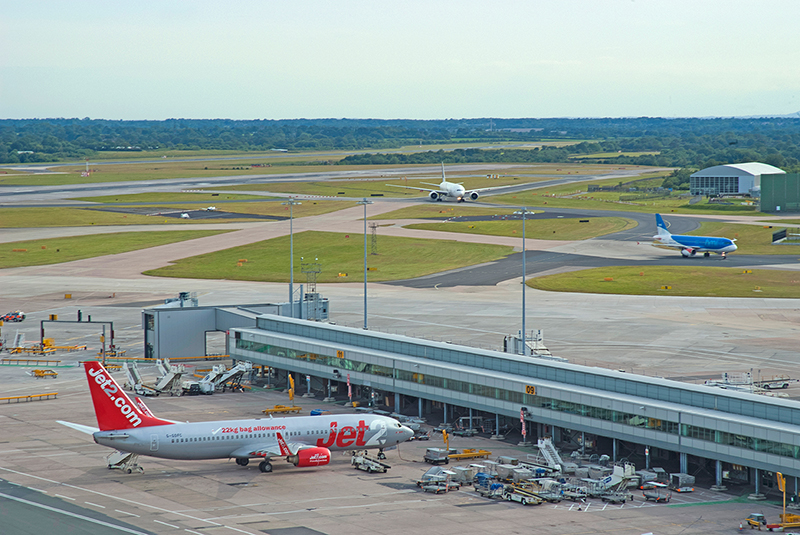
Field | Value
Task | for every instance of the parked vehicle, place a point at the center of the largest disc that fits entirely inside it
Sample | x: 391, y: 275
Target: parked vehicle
x: 518, y: 495
x: 13, y: 317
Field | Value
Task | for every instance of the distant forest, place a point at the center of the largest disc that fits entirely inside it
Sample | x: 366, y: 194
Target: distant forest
x: 688, y: 143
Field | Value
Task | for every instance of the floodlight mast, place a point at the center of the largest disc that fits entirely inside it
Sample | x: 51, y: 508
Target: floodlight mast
x: 291, y: 202
x: 365, y: 202
x: 523, y: 211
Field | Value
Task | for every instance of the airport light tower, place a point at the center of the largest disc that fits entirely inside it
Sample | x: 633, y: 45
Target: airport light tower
x: 291, y: 202
x: 365, y: 202
x: 524, y: 211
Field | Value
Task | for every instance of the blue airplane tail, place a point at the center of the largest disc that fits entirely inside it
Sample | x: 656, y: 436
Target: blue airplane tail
x: 662, y: 228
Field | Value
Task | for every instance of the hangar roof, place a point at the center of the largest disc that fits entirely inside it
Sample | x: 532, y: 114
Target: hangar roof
x: 739, y: 169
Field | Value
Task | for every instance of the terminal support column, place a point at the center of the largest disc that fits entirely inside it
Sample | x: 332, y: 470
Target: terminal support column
x: 684, y: 464
x: 614, y: 449
x: 445, y: 412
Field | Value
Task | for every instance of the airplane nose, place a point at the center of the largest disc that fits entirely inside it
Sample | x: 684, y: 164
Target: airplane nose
x: 407, y: 433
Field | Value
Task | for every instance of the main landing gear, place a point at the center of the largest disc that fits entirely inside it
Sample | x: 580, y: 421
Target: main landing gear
x: 242, y: 461
x: 265, y: 466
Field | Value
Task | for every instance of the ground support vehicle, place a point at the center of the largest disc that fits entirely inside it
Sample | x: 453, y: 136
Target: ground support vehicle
x: 361, y: 461
x: 491, y: 490
x: 470, y: 454
x: 788, y: 520
x: 575, y: 494
x: 616, y: 497
x: 659, y: 493
x: 437, y: 487
x: 513, y: 494
x: 437, y: 455
x: 756, y: 520
x: 282, y: 409
x: 13, y: 317
x: 122, y: 460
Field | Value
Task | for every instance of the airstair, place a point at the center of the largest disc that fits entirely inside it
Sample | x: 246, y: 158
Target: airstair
x: 135, y: 380
x: 223, y: 378
x: 170, y: 380
x: 122, y: 460
x: 550, y: 454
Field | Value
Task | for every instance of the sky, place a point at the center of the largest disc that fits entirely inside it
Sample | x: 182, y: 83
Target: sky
x: 425, y: 59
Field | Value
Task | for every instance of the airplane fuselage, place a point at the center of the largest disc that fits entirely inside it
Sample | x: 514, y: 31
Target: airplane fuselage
x: 238, y: 438
x: 698, y: 243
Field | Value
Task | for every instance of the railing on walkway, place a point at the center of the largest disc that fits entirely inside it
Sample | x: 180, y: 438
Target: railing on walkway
x: 28, y: 362
x: 31, y: 397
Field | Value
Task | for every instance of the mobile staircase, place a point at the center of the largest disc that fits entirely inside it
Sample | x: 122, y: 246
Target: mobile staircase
x: 170, y: 380
x: 361, y: 461
x: 135, y: 380
x: 122, y: 460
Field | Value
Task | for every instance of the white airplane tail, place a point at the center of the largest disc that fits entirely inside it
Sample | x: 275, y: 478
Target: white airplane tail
x: 662, y: 228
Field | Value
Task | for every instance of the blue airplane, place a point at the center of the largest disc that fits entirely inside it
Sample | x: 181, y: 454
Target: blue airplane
x: 691, y: 245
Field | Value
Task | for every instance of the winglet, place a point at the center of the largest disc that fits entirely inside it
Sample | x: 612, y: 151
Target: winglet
x: 285, y: 451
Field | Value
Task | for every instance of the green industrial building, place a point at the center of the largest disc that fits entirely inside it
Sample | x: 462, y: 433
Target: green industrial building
x: 780, y: 192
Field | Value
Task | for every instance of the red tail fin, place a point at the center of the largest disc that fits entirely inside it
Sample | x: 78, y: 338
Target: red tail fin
x: 113, y: 408
x: 282, y: 444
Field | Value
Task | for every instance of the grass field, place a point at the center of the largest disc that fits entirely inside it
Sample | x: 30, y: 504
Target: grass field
x: 397, y: 258
x: 683, y: 281
x: 440, y: 210
x: 370, y: 184
x: 170, y: 197
x: 81, y: 217
x: 577, y: 196
x: 750, y: 239
x: 67, y: 249
x: 542, y: 229
x: 612, y: 155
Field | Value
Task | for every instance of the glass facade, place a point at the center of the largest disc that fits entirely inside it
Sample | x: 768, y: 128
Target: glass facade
x: 520, y: 398
x: 713, y: 185
x: 544, y: 371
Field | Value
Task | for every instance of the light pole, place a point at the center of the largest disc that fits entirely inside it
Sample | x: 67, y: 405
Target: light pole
x: 524, y: 211
x: 365, y: 202
x: 291, y: 202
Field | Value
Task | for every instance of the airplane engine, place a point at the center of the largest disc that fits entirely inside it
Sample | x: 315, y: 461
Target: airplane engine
x: 688, y: 252
x: 311, y: 457
x: 434, y: 196
x: 474, y: 195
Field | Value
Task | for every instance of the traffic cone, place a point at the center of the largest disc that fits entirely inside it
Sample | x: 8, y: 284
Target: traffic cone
x: 741, y: 527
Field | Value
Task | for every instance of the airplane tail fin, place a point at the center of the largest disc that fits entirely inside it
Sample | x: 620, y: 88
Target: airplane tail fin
x: 662, y: 228
x: 113, y: 408
x: 285, y: 451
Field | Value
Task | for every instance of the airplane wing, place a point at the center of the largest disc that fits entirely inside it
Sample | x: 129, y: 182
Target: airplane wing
x: 439, y: 191
x: 273, y: 449
x: 82, y: 428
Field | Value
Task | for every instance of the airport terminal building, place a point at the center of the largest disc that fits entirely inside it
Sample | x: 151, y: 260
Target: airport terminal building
x: 729, y: 433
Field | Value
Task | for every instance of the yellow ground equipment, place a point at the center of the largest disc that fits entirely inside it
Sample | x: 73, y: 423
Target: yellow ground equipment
x: 282, y: 409
x: 49, y: 343
x: 470, y: 454
x: 41, y: 374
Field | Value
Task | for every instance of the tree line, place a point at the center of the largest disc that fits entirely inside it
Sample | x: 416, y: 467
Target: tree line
x: 687, y: 142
